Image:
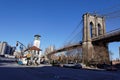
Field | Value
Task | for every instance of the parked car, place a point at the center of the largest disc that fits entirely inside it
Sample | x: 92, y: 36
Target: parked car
x: 73, y: 65
x: 111, y: 68
x: 103, y: 66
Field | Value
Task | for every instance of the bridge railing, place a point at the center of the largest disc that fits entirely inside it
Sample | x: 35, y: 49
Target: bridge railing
x: 110, y: 33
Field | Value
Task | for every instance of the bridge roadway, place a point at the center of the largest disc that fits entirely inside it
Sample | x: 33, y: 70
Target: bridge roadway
x: 66, y: 48
x: 111, y: 36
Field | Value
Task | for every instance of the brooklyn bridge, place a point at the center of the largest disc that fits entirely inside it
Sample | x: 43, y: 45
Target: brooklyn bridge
x: 95, y: 39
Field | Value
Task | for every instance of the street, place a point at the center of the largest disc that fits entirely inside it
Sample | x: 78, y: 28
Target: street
x: 55, y: 73
x: 10, y: 70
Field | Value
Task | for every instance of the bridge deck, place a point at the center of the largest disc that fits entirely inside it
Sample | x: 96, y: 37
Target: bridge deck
x: 108, y: 37
x: 66, y: 48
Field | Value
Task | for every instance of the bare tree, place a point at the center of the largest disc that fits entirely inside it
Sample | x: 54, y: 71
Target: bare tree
x: 30, y: 44
x: 74, y: 55
x: 101, y: 54
x: 111, y: 54
x: 48, y: 50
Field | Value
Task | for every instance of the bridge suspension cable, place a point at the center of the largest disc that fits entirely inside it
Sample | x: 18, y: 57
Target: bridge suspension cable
x: 113, y: 14
x: 109, y: 12
x: 74, y: 33
x: 77, y: 37
x: 105, y: 10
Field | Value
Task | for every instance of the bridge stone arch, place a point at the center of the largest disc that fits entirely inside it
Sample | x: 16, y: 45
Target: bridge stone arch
x: 92, y: 29
x: 93, y: 26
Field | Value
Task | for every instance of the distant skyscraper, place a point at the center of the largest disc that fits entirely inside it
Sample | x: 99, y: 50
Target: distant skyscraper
x: 37, y: 41
x: 5, y: 48
x: 0, y: 47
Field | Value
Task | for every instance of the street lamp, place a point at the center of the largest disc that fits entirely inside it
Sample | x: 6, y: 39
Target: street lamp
x: 18, y: 42
x: 21, y: 46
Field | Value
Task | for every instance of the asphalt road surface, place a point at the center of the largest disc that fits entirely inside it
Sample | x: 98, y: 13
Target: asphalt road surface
x: 54, y: 73
x: 12, y: 71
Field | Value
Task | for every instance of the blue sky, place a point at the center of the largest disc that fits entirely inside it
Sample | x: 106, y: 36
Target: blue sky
x: 54, y: 20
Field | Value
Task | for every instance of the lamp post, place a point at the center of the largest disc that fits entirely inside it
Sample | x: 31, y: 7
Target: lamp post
x: 21, y: 46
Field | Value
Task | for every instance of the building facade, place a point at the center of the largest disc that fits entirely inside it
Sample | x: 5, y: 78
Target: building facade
x: 5, y: 48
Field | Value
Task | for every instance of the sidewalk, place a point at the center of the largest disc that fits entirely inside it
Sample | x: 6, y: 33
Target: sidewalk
x: 94, y: 69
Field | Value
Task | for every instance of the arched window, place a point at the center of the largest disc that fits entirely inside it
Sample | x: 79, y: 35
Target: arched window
x: 91, y: 29
x: 99, y: 29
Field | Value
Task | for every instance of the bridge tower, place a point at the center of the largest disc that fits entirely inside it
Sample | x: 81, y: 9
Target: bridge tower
x: 93, y: 26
